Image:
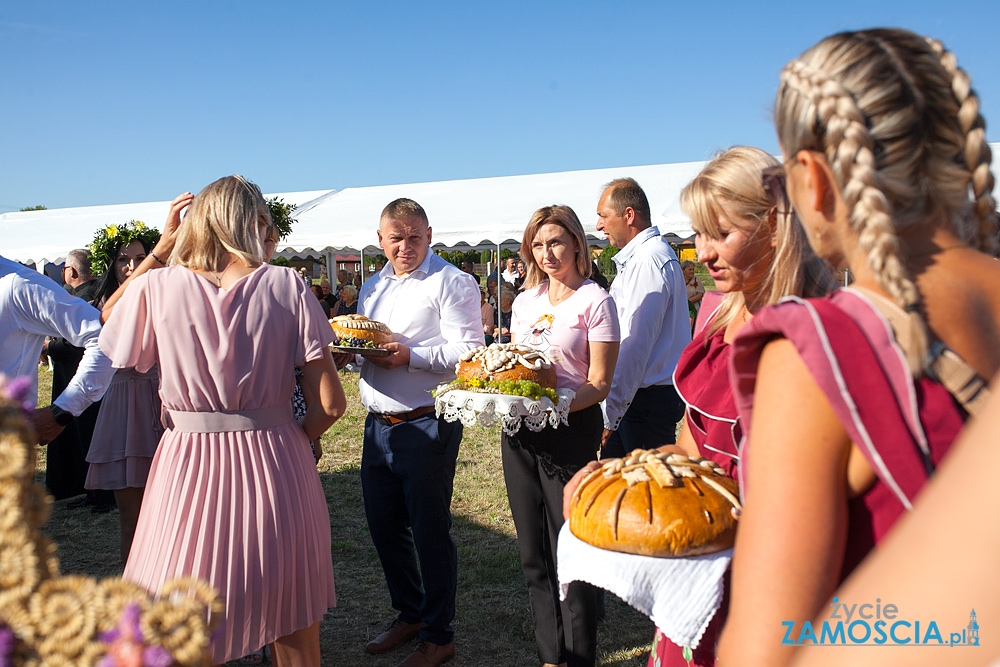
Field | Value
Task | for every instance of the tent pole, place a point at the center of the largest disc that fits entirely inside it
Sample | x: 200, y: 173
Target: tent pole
x: 496, y: 311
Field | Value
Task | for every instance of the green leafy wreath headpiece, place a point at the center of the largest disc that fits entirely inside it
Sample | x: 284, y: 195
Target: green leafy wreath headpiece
x: 281, y: 216
x: 112, y: 236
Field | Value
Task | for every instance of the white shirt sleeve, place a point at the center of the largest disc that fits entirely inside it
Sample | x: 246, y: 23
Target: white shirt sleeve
x: 643, y: 299
x: 461, y: 329
x: 51, y: 311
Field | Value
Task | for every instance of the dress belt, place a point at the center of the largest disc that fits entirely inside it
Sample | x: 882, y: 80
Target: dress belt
x: 129, y: 374
x: 223, y: 422
x: 399, y: 418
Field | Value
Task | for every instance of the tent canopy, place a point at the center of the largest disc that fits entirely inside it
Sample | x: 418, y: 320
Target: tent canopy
x: 487, y: 211
x: 42, y: 237
x: 474, y: 212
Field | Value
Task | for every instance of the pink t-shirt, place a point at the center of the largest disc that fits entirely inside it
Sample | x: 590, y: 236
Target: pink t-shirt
x: 564, y: 331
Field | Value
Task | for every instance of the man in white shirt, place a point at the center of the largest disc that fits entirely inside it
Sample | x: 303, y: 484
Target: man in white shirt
x: 510, y: 274
x: 32, y: 307
x: 408, y: 461
x: 643, y: 408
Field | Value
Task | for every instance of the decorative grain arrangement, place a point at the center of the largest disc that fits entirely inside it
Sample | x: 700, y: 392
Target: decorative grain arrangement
x: 55, y: 620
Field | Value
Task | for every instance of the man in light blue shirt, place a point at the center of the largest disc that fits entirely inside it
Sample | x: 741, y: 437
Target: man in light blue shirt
x: 643, y: 407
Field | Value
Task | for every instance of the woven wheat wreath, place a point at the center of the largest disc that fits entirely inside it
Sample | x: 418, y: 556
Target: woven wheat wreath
x: 54, y: 620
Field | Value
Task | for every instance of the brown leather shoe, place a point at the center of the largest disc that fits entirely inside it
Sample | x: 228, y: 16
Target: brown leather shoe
x: 399, y: 632
x: 429, y: 655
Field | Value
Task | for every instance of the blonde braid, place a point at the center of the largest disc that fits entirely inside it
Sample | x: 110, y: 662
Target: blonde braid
x: 976, y: 152
x: 850, y: 152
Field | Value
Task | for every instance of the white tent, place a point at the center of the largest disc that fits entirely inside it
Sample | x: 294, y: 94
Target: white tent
x: 475, y: 212
x: 486, y: 210
x: 42, y: 237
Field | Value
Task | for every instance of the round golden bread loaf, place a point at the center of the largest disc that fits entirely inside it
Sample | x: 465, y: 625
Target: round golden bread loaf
x: 360, y: 328
x: 507, y: 361
x: 656, y: 504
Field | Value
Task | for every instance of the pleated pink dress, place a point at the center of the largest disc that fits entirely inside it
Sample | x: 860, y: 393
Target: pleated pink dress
x: 233, y: 495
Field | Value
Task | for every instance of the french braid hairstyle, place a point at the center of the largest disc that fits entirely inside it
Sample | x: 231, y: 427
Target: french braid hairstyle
x: 899, y: 125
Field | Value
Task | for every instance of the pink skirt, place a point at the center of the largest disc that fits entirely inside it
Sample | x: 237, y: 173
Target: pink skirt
x: 246, y: 512
x: 127, y: 431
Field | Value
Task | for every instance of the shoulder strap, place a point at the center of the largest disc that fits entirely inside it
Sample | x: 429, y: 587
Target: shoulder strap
x: 709, y: 304
x: 954, y: 374
x: 943, y: 365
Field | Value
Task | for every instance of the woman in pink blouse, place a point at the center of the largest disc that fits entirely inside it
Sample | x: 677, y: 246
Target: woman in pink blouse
x: 574, y: 322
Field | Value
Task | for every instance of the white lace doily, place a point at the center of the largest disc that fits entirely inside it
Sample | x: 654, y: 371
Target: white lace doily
x: 472, y: 408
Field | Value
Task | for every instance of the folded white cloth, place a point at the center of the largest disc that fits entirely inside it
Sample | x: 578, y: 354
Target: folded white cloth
x: 680, y: 595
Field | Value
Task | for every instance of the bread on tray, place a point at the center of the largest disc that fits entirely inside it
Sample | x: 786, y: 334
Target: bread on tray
x: 655, y: 504
x: 359, y: 331
x: 506, y: 361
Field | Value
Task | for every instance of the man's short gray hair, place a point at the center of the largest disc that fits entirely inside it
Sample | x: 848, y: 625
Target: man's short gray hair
x: 79, y: 259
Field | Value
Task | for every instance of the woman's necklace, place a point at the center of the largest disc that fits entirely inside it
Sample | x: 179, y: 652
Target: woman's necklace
x: 218, y: 276
x: 555, y: 300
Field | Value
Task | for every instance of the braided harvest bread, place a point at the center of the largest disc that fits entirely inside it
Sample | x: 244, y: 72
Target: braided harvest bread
x: 656, y: 504
x: 356, y: 330
x: 506, y: 361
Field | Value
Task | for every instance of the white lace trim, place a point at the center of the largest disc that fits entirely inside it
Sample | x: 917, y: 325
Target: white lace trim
x: 486, y: 410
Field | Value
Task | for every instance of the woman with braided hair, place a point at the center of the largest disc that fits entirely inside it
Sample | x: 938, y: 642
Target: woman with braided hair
x: 851, y: 399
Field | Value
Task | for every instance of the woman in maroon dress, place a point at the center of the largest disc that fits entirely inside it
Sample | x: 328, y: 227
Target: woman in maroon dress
x: 884, y: 145
x: 736, y: 226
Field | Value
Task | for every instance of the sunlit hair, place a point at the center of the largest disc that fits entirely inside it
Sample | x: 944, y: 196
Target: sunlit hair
x: 272, y: 234
x: 899, y: 124
x: 626, y: 193
x: 404, y: 209
x: 565, y: 218
x: 731, y: 185
x: 225, y: 217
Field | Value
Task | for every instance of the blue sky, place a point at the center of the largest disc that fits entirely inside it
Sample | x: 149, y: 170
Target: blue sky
x: 119, y: 102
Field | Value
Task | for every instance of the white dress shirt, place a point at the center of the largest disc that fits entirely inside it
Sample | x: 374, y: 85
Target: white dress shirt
x: 651, y: 297
x: 32, y: 307
x: 434, y: 311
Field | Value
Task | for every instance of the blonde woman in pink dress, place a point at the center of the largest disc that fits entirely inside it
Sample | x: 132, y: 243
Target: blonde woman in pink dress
x: 233, y: 496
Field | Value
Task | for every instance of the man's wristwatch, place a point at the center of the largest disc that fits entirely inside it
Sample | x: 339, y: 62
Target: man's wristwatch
x: 62, y: 417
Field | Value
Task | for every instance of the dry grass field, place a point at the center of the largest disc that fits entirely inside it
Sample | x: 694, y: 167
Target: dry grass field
x: 493, y: 621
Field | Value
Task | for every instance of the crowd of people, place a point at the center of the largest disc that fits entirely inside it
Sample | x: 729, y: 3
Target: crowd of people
x: 833, y: 408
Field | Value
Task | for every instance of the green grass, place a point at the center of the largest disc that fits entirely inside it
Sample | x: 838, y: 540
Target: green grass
x: 493, y: 619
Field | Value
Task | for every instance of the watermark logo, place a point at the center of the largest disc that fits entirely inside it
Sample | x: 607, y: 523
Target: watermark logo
x: 876, y: 624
